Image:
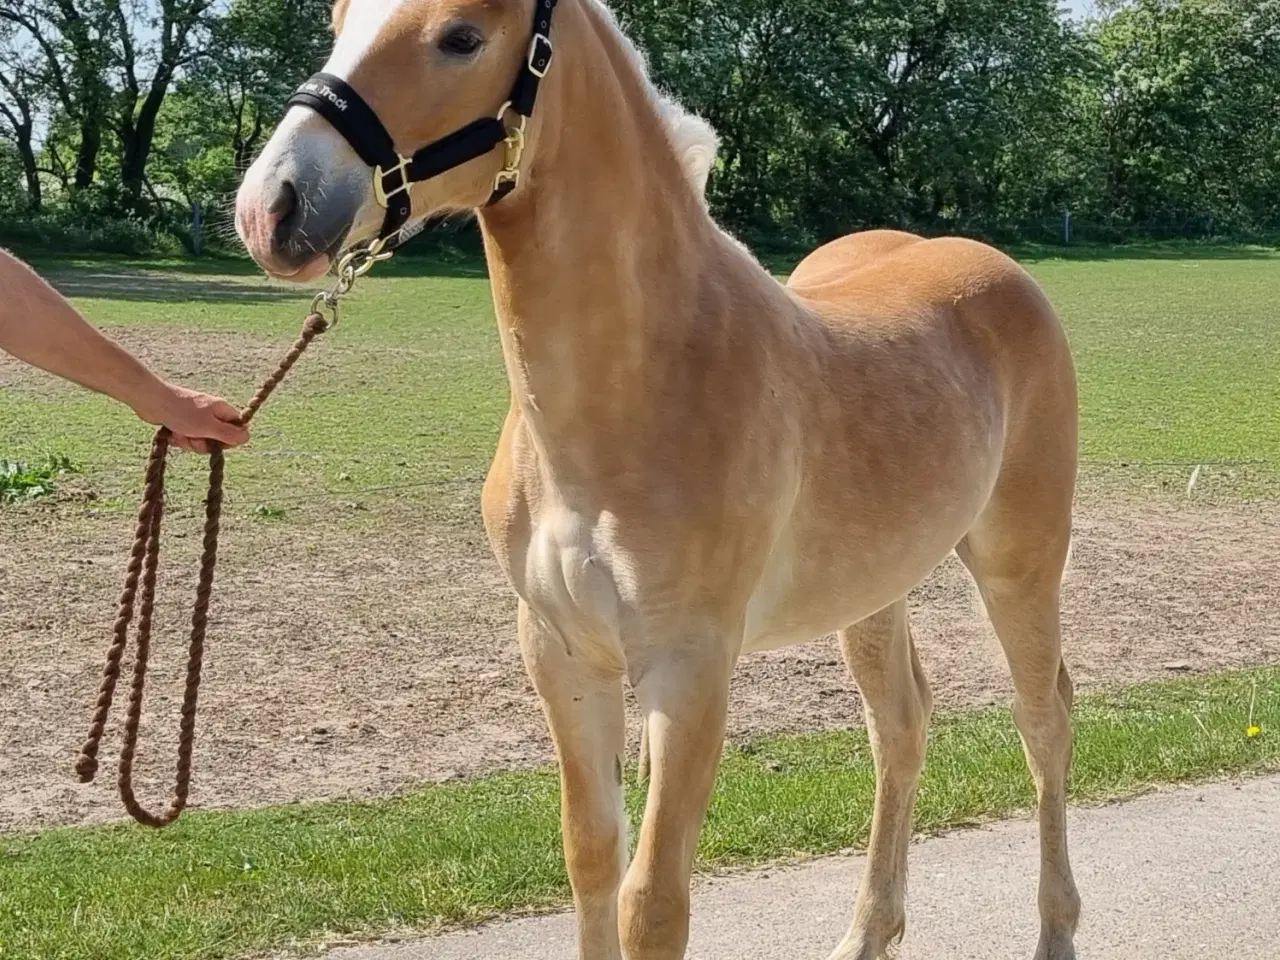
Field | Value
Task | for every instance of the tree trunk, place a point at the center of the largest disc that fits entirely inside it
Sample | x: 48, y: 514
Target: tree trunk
x: 137, y: 140
x: 85, y: 93
x: 35, y: 198
x: 244, y: 147
x: 90, y: 145
x: 137, y: 131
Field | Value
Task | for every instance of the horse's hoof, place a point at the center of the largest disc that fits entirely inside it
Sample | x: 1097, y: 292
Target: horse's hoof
x: 1058, y: 947
x: 866, y: 947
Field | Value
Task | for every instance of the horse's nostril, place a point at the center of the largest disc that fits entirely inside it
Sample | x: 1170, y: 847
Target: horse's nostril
x: 284, y: 204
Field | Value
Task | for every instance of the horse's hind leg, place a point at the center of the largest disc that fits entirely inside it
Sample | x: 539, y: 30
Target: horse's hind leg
x: 882, y: 659
x: 1017, y: 553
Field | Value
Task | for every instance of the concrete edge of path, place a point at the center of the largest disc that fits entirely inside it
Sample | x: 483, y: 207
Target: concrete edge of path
x: 1184, y: 872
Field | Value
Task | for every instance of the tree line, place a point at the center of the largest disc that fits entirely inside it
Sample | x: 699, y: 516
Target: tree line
x: 993, y: 117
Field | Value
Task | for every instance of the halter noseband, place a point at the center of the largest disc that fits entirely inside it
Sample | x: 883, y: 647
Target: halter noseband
x: 337, y: 101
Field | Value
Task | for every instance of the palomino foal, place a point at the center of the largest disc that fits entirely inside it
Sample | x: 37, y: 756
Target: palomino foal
x: 699, y: 462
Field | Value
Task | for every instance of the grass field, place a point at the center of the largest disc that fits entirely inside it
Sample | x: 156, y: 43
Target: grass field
x: 399, y: 408
x: 1176, y: 357
x: 220, y: 885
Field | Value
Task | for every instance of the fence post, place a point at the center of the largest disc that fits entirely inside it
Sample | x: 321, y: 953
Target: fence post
x: 197, y: 229
x: 1066, y: 225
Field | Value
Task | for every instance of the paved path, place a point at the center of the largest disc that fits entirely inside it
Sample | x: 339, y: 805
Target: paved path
x: 1191, y: 873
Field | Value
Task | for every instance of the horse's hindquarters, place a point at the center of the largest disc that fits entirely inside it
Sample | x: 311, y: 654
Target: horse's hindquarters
x: 938, y: 373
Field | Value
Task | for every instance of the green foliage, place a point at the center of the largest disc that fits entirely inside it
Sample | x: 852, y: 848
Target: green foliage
x: 227, y: 884
x: 866, y: 112
x: 1192, y: 116
x: 12, y: 192
x: 30, y: 481
x: 70, y: 230
x: 1160, y: 118
x: 226, y: 106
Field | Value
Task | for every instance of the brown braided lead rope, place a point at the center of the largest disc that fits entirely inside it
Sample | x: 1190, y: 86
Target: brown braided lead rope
x: 143, y: 561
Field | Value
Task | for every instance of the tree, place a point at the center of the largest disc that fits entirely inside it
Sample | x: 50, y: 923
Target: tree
x: 984, y: 116
x: 838, y: 115
x: 228, y: 103
x: 1192, y: 109
x: 140, y: 98
x: 262, y: 50
x: 21, y: 104
x: 73, y: 52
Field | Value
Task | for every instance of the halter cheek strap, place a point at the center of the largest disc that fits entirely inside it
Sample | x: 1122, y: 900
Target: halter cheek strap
x: 337, y: 101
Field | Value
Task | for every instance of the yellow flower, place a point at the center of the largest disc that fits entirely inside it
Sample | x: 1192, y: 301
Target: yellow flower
x: 1252, y: 730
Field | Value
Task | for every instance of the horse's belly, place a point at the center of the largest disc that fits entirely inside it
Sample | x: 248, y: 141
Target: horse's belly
x: 824, y: 578
x: 829, y: 604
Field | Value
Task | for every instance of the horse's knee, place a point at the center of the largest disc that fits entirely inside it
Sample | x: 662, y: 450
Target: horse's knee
x: 924, y: 694
x: 1066, y: 689
x: 653, y: 919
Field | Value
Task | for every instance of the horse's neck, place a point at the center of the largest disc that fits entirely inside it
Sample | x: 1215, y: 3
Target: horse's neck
x: 600, y: 260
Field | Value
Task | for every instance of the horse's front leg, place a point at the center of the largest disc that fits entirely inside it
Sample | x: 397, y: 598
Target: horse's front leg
x: 584, y: 708
x: 683, y: 691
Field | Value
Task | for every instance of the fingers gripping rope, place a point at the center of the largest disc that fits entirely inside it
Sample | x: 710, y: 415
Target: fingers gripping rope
x: 141, y: 573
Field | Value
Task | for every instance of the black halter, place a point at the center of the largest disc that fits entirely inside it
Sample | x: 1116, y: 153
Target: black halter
x: 336, y: 101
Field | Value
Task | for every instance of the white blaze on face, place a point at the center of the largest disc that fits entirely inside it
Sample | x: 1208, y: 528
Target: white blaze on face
x: 364, y: 21
x: 306, y: 149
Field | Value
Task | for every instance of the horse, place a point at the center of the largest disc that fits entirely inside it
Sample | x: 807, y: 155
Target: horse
x: 699, y: 461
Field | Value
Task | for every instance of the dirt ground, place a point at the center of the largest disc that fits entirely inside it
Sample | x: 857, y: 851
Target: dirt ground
x: 356, y: 655
x: 357, y: 660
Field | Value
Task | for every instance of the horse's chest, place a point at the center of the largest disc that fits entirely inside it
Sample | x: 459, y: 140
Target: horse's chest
x: 574, y: 575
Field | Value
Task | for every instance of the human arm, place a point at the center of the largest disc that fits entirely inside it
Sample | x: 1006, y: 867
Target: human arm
x: 39, y: 327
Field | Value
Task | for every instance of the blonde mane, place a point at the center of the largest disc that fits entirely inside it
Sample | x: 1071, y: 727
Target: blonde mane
x: 693, y: 139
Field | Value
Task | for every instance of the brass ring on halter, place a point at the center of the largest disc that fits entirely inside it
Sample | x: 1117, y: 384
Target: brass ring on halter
x: 326, y: 300
x: 509, y: 107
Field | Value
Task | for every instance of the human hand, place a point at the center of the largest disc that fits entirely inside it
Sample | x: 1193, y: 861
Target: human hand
x: 195, y: 419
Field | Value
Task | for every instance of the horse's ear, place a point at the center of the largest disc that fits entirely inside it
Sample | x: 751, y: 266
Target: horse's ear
x: 339, y: 15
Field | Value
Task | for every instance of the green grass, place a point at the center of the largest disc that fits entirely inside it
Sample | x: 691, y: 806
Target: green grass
x: 219, y: 885
x: 21, y: 481
x: 1178, y: 360
x: 1177, y: 353
x: 410, y: 388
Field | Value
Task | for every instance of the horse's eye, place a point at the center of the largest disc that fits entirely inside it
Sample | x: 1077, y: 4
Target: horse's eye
x: 462, y: 41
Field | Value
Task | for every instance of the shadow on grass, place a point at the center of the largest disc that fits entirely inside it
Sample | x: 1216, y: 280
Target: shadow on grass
x: 216, y: 281
x: 461, y: 266
x: 211, y: 279
x: 1141, y: 251
x: 154, y: 286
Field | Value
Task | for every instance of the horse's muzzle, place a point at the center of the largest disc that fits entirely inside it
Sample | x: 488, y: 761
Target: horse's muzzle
x: 294, y: 222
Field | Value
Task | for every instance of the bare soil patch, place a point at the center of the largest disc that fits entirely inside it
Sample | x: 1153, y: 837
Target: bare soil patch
x: 351, y: 662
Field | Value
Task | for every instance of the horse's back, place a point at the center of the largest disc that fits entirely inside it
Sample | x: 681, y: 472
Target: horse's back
x: 940, y: 289
x: 839, y: 257
x: 895, y: 269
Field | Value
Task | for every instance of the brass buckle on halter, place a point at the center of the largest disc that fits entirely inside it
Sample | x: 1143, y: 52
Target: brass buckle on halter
x: 509, y: 176
x: 380, y: 192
